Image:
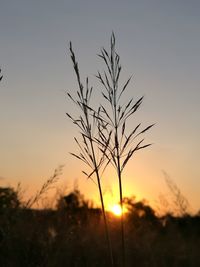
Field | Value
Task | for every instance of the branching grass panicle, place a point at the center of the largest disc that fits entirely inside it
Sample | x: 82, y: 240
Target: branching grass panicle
x: 122, y: 145
x: 88, y: 123
x: 104, y: 130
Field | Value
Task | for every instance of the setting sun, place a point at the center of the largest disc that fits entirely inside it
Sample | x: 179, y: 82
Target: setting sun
x: 116, y: 210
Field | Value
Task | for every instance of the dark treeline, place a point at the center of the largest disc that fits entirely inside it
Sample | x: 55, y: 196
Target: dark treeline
x: 73, y: 235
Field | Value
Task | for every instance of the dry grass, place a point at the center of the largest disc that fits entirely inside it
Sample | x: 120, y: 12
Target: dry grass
x: 48, y: 184
x: 111, y: 140
x: 87, y: 123
x: 121, y: 145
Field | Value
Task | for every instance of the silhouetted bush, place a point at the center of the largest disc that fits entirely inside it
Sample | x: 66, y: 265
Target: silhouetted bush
x: 8, y: 198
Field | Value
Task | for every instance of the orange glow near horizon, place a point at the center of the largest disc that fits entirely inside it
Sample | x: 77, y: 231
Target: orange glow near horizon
x: 116, y: 210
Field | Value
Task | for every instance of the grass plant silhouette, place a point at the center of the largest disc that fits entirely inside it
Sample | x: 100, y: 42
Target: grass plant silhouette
x: 87, y: 124
x: 1, y: 76
x: 179, y: 201
x: 47, y: 185
x: 120, y: 148
x: 103, y: 131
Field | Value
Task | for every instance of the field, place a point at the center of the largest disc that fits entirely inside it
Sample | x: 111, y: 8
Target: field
x: 73, y: 235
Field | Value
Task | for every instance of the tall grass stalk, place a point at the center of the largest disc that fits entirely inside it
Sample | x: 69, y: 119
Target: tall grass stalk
x: 181, y: 204
x: 1, y: 76
x: 120, y: 148
x: 89, y: 123
x: 44, y: 189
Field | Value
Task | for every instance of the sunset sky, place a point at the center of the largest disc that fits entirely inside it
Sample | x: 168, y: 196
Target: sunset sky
x: 159, y: 43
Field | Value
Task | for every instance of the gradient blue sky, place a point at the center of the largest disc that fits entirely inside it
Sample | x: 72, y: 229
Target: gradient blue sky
x: 159, y: 43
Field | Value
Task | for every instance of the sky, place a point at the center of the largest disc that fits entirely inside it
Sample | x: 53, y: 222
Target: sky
x: 159, y: 44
